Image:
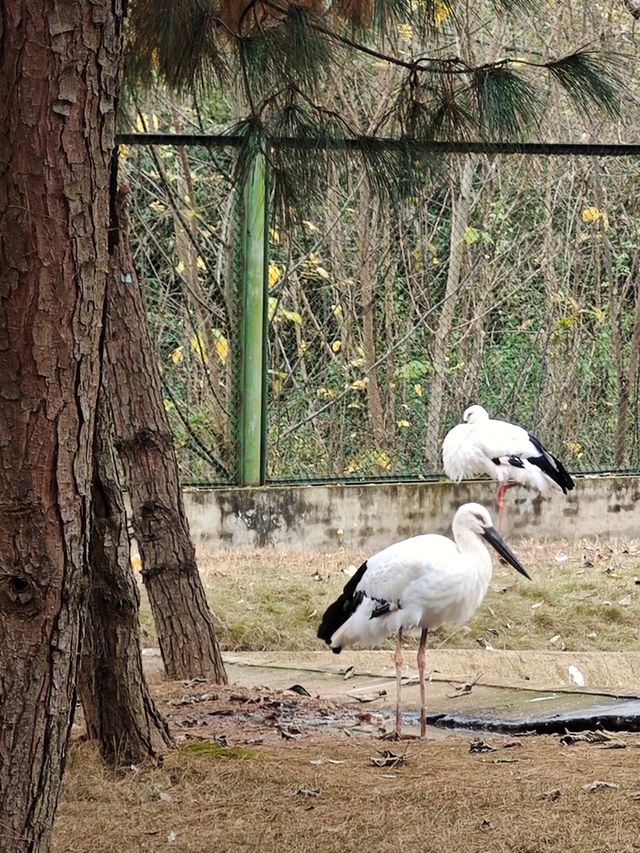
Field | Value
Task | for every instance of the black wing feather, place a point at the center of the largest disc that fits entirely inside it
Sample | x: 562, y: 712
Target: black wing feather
x: 551, y: 466
x: 342, y: 608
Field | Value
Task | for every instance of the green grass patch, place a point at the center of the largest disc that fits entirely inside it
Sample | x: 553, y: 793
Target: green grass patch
x: 204, y: 749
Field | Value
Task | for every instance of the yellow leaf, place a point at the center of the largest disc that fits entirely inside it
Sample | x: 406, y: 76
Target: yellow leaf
x: 321, y: 271
x: 418, y: 389
x: 272, y: 306
x: 309, y: 225
x: 383, y: 459
x: 123, y: 151
x: 200, y: 263
x: 140, y: 123
x: 337, y: 310
x: 359, y: 384
x: 336, y: 346
x: 441, y: 11
x: 157, y: 206
x: 405, y: 31
x: 326, y: 393
x: 403, y: 424
x: 177, y: 356
x: 180, y: 267
x: 275, y: 274
x: 294, y: 316
x: 591, y: 214
x: 222, y: 345
x: 275, y: 236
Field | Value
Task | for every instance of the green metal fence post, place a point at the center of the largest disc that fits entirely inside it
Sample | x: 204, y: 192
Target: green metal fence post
x: 253, y: 344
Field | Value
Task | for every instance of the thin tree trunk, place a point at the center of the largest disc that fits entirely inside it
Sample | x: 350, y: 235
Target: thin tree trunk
x: 129, y: 727
x: 184, y: 623
x: 368, y: 296
x: 459, y: 221
x: 59, y: 64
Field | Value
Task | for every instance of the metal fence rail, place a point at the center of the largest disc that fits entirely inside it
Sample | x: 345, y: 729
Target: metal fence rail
x: 508, y: 279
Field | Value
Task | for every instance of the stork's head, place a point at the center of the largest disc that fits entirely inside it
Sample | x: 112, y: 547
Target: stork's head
x: 476, y: 518
x: 474, y: 414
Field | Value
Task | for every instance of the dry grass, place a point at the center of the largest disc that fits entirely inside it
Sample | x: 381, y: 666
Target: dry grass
x: 584, y: 596
x: 442, y: 799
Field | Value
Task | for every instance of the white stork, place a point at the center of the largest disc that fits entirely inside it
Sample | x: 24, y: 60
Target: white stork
x: 417, y: 584
x: 507, y: 453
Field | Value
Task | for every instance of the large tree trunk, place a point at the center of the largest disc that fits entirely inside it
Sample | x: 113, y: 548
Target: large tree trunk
x: 58, y: 75
x: 86, y: 680
x: 184, y: 624
x: 128, y: 727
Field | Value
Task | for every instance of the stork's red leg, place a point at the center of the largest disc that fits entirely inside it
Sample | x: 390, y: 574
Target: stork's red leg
x: 421, y: 670
x: 501, y: 502
x: 399, y: 662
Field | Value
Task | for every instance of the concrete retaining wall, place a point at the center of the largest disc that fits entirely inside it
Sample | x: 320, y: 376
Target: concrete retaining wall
x: 372, y: 516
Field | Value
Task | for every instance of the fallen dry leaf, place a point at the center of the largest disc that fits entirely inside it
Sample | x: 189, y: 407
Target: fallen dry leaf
x: 598, y: 784
x: 387, y: 759
x: 480, y: 746
x: 550, y: 794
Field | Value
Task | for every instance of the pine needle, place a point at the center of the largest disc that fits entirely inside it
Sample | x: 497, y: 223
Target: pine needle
x: 590, y: 79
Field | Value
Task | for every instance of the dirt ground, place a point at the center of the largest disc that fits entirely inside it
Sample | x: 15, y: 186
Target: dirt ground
x: 267, y: 769
x: 253, y: 769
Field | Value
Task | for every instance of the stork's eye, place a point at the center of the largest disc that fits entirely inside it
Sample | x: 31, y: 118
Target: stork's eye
x: 480, y: 518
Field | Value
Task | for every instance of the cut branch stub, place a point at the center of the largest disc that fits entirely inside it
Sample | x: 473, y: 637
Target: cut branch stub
x: 19, y: 595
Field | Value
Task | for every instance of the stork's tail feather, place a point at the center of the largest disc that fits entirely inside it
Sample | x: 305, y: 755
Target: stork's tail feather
x: 551, y: 466
x: 342, y: 608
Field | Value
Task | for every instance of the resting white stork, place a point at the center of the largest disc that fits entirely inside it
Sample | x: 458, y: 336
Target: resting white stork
x: 507, y: 453
x: 417, y: 584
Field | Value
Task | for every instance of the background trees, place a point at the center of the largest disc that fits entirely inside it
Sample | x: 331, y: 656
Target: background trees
x: 389, y: 312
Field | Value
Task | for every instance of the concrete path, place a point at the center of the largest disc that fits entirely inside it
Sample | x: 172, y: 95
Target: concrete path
x: 467, y: 688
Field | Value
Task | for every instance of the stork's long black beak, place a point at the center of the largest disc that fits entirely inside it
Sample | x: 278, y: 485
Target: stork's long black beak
x: 496, y: 541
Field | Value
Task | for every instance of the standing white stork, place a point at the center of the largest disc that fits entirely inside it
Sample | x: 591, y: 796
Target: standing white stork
x: 507, y: 453
x: 418, y: 583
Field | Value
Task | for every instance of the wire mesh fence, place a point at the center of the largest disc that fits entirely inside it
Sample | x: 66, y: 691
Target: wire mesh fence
x: 185, y: 248
x: 508, y: 281
x: 511, y: 281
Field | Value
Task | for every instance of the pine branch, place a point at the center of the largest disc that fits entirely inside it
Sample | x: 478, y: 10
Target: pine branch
x: 591, y: 79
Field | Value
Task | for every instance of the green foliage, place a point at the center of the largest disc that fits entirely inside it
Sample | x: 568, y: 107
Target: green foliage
x: 279, y: 61
x: 507, y: 105
x: 591, y: 78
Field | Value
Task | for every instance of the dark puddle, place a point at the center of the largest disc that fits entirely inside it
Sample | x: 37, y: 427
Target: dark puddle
x: 567, y: 712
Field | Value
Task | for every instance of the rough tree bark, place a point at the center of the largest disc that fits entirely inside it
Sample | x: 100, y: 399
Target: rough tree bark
x: 184, y: 624
x: 128, y: 726
x: 59, y: 64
